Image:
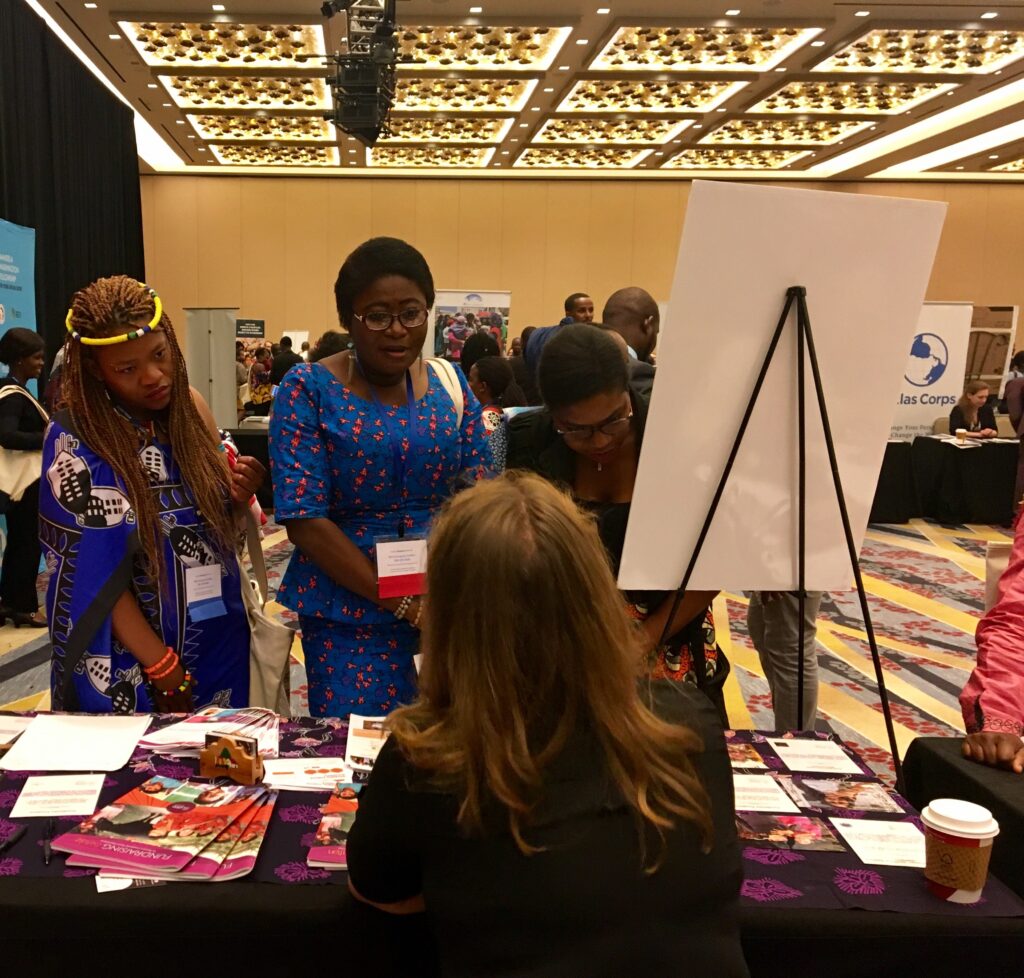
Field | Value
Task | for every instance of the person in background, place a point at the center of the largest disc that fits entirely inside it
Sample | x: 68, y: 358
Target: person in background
x: 579, y: 308
x: 366, y: 444
x: 521, y: 371
x: 992, y: 702
x: 283, y: 361
x: 588, y: 439
x: 972, y: 412
x: 22, y: 422
x: 478, y: 346
x: 305, y: 350
x: 773, y: 622
x: 1016, y: 372
x: 139, y: 507
x: 455, y: 336
x: 551, y: 812
x: 333, y: 341
x: 495, y: 388
x: 260, y: 388
x: 634, y: 315
x: 516, y: 349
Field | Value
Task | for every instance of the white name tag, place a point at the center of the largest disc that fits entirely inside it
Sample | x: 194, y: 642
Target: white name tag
x: 203, y: 592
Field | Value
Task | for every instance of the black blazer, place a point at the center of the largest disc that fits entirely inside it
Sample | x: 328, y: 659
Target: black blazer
x: 986, y: 419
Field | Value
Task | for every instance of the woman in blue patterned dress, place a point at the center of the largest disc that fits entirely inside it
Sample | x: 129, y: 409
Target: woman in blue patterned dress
x: 367, y: 443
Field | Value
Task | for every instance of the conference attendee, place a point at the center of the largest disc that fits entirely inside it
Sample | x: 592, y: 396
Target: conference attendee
x: 972, y: 413
x: 550, y: 814
x: 634, y: 315
x: 305, y: 350
x: 492, y: 382
x: 521, y: 371
x: 283, y: 361
x: 1016, y: 372
x: 139, y: 516
x: 516, y: 349
x: 455, y: 336
x: 588, y: 439
x: 260, y: 386
x: 367, y: 444
x: 992, y: 702
x: 22, y: 422
x: 774, y: 626
x: 478, y: 346
x: 333, y: 341
x: 579, y: 308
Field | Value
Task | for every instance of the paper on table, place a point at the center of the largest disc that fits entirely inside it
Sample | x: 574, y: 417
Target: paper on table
x: 883, y: 843
x: 818, y: 756
x: 55, y: 742
x: 58, y: 794
x: 760, y: 793
x: 305, y: 773
x: 11, y: 727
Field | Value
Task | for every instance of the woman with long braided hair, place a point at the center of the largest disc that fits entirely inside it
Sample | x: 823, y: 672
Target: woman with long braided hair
x: 139, y: 517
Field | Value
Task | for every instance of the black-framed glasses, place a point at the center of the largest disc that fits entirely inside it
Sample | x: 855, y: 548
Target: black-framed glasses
x: 586, y: 432
x: 410, y: 318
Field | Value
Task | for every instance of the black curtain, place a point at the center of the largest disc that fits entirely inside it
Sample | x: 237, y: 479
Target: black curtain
x: 68, y: 166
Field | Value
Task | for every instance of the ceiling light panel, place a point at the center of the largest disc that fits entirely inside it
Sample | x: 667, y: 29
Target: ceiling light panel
x: 430, y: 157
x: 434, y: 129
x: 309, y: 128
x: 701, y: 48
x: 275, y: 155
x: 622, y: 132
x: 784, y: 132
x: 734, y: 159
x: 929, y: 51
x: 851, y: 97
x: 462, y: 95
x: 480, y: 48
x: 581, y: 158
x: 648, y: 96
x: 249, y: 46
x: 247, y: 92
x: 1013, y: 166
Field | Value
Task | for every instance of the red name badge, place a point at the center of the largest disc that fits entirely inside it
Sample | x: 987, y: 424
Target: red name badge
x: 401, y: 566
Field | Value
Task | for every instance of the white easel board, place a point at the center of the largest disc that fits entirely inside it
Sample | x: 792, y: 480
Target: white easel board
x: 865, y: 262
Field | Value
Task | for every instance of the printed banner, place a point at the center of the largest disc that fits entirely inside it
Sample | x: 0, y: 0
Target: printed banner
x: 17, y: 276
x: 458, y: 315
x: 934, y: 378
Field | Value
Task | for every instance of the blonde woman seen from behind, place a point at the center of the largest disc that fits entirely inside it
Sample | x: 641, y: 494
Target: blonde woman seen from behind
x: 552, y: 810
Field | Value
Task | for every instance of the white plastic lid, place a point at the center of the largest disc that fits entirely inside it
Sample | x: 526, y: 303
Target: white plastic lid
x: 960, y: 818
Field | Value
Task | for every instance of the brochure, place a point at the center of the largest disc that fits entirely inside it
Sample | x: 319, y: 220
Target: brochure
x: 366, y: 736
x: 330, y: 851
x: 839, y: 793
x: 187, y: 737
x: 797, y: 832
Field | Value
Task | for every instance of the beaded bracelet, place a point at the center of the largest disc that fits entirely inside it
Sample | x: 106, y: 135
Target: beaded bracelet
x: 157, y: 669
x: 403, y: 607
x: 419, y: 614
x: 182, y: 687
x: 166, y: 672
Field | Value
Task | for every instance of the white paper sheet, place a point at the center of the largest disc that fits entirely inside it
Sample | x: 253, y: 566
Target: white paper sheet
x: 865, y: 261
x: 760, y: 793
x: 882, y: 843
x: 11, y: 727
x: 58, y: 794
x: 305, y: 773
x: 55, y: 742
x: 366, y: 736
x: 813, y: 756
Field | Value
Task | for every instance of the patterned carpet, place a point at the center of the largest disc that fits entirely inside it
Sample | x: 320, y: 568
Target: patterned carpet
x: 925, y: 584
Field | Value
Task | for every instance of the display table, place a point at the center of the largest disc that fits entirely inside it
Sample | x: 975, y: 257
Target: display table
x: 965, y: 485
x: 895, y: 499
x: 285, y: 911
x: 935, y: 768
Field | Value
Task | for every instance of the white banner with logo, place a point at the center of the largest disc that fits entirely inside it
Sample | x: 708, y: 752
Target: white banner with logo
x: 934, y: 378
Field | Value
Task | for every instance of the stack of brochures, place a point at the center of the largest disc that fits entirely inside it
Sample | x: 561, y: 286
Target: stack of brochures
x: 330, y: 850
x: 187, y: 737
x: 174, y: 830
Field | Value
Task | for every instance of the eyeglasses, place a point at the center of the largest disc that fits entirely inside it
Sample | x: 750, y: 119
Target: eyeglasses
x: 410, y: 318
x: 587, y: 431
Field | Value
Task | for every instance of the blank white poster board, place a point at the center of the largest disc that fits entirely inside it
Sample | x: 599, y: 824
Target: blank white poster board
x: 865, y: 262
x: 210, y: 359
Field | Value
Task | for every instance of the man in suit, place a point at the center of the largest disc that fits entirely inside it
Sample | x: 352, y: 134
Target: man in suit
x: 284, y: 361
x: 633, y: 314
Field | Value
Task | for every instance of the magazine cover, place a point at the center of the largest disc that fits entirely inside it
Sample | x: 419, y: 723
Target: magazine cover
x: 839, y: 793
x: 161, y: 825
x: 799, y: 832
x: 332, y: 833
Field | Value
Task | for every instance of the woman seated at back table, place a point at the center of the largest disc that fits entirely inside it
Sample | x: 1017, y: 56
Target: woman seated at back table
x: 553, y: 813
x: 589, y: 440
x: 972, y: 412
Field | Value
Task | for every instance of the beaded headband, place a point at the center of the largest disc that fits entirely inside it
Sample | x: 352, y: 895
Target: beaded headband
x: 158, y: 311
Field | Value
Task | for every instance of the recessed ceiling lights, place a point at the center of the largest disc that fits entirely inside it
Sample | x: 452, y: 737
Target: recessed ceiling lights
x: 513, y: 140
x: 218, y: 7
x: 563, y: 67
x: 151, y: 85
x: 989, y: 15
x: 352, y: 152
x: 780, y: 69
x: 191, y: 137
x: 659, y: 154
x: 817, y: 44
x: 732, y: 12
x: 114, y: 37
x: 504, y: 152
x: 202, y: 149
x: 993, y: 156
x: 167, y: 105
x: 549, y: 90
x: 719, y: 110
x: 476, y: 10
x: 180, y: 122
x: 862, y: 13
x: 523, y: 125
x: 604, y: 10
x: 582, y: 40
x: 90, y: 6
x: 535, y: 108
x: 698, y: 127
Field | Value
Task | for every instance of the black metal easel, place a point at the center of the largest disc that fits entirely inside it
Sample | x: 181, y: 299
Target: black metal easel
x: 797, y: 295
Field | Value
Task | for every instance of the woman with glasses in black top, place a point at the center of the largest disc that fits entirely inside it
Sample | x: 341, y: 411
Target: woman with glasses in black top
x: 588, y: 439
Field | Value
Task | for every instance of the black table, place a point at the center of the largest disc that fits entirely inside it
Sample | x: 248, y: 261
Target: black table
x: 255, y: 442
x: 895, y: 499
x: 935, y: 768
x: 965, y: 485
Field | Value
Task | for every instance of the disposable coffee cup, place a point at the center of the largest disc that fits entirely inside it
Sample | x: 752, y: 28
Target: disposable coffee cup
x: 958, y: 844
x: 961, y: 435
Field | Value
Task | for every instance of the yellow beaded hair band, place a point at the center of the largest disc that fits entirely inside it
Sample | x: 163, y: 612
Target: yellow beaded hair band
x: 158, y: 311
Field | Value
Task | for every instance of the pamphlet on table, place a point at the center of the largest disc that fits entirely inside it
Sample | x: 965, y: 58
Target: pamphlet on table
x: 839, y: 793
x: 187, y: 737
x: 879, y: 843
x: 815, y: 756
x: 305, y: 773
x: 366, y: 736
x: 760, y: 793
x: 66, y: 742
x: 330, y: 851
x: 53, y: 795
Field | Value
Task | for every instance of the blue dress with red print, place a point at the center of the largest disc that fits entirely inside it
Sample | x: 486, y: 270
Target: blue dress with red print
x: 331, y: 456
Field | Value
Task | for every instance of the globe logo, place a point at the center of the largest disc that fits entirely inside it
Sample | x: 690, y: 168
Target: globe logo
x: 928, y: 359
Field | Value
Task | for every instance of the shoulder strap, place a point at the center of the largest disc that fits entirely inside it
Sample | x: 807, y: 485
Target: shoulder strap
x: 255, y: 548
x: 450, y: 380
x: 9, y: 389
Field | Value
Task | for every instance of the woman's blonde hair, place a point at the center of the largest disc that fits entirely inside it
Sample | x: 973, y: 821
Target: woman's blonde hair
x: 970, y: 412
x: 508, y: 675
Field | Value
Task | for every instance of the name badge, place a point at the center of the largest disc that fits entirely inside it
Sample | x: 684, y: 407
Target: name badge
x: 401, y: 566
x: 203, y: 592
